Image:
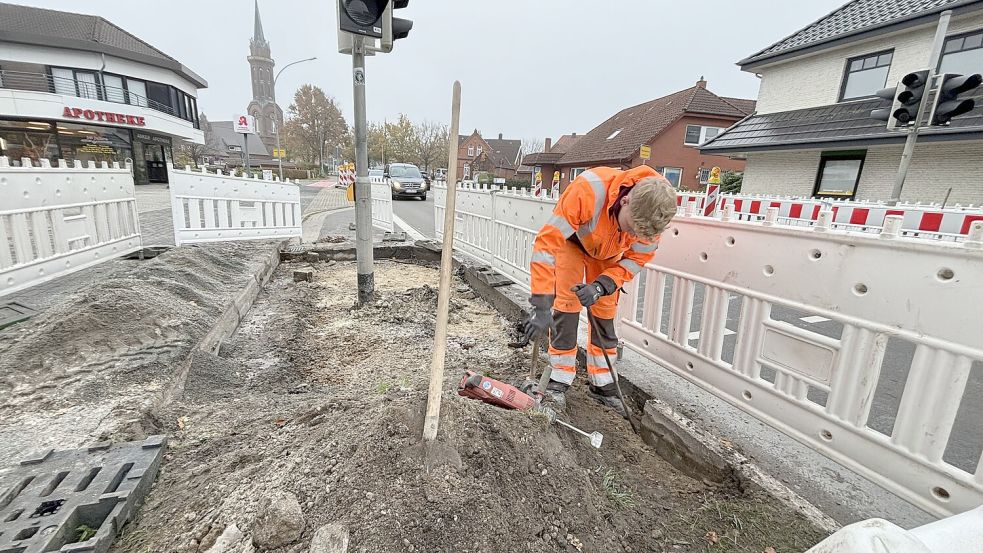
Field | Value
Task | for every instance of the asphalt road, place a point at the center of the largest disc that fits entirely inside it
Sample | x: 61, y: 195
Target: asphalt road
x: 966, y: 443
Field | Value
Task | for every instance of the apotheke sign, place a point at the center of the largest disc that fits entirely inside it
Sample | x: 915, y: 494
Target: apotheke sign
x: 104, y: 117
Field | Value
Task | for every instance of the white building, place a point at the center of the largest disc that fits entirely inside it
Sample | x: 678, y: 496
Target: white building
x: 812, y: 134
x: 78, y: 87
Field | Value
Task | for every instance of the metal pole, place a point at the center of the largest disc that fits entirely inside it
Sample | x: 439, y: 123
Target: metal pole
x: 363, y: 188
x: 432, y: 419
x: 277, y: 77
x: 909, y: 145
x: 245, y: 150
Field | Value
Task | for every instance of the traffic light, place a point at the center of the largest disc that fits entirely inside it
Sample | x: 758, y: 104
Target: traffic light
x: 362, y: 17
x: 394, y: 28
x: 951, y: 100
x: 909, y: 97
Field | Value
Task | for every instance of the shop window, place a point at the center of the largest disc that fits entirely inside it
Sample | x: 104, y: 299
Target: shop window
x: 87, y: 143
x: 32, y: 139
x: 839, y: 174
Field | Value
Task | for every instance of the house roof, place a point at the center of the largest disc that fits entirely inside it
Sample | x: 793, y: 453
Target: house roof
x: 224, y: 132
x: 620, y: 136
x: 506, y: 151
x: 838, y: 125
x: 42, y: 27
x: 564, y: 143
x: 852, y: 19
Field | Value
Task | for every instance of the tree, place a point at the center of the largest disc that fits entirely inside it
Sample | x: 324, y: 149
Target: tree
x: 531, y: 146
x: 192, y: 154
x: 314, y: 125
x: 431, y: 141
x: 731, y: 182
x: 400, y: 141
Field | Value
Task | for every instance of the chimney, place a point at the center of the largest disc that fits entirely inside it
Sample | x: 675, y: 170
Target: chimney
x: 499, y: 136
x: 702, y: 83
x: 549, y: 144
x: 574, y: 135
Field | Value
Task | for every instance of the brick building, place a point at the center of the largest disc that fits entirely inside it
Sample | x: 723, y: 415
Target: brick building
x: 813, y: 135
x: 545, y: 162
x: 673, y: 126
x: 476, y: 154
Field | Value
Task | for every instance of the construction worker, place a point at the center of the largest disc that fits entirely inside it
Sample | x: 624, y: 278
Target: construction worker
x: 606, y: 226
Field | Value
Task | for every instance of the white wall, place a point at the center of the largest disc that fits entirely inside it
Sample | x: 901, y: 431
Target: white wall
x: 90, y: 60
x: 815, y: 80
x: 935, y: 167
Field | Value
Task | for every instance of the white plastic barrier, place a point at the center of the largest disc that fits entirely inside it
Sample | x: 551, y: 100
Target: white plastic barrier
x: 813, y: 387
x: 962, y: 533
x: 58, y: 220
x: 212, y: 207
x: 951, y: 223
x: 382, y: 205
x: 820, y: 390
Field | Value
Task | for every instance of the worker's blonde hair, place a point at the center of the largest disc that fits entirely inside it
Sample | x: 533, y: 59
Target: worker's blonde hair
x: 653, y: 205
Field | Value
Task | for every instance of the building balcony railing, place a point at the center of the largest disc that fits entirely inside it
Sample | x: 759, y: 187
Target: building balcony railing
x: 42, y: 82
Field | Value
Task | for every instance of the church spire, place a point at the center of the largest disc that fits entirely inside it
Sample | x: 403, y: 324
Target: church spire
x: 258, y: 32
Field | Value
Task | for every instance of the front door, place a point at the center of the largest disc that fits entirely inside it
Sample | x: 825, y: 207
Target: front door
x: 153, y: 155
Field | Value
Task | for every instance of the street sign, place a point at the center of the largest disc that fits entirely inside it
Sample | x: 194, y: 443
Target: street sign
x: 244, y: 124
x: 646, y: 152
x: 267, y: 174
x: 279, y: 153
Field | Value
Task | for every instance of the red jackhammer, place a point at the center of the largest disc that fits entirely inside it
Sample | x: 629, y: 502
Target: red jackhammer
x: 499, y: 394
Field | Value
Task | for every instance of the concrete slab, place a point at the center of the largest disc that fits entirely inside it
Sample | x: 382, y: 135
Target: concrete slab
x: 75, y: 500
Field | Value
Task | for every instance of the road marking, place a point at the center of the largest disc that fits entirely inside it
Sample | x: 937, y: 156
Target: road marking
x: 813, y: 319
x: 412, y: 232
x: 695, y: 335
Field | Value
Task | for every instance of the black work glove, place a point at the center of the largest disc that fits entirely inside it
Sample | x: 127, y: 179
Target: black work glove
x: 588, y: 294
x: 540, y: 317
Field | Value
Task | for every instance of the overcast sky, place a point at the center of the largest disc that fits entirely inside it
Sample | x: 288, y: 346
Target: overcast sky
x: 528, y: 68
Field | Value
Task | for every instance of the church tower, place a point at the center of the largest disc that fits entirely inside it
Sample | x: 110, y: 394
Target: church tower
x: 264, y: 108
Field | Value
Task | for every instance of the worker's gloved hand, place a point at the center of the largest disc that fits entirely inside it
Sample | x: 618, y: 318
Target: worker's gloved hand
x: 588, y: 294
x: 540, y: 317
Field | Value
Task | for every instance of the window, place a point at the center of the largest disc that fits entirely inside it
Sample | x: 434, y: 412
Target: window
x: 478, y: 151
x: 467, y: 170
x: 865, y: 75
x: 64, y: 81
x: 576, y: 171
x: 839, y: 173
x: 137, y: 93
x: 114, y: 88
x: 672, y: 174
x: 615, y: 133
x: 88, y: 85
x: 698, y: 134
x: 963, y: 54
x: 470, y: 151
x: 704, y: 175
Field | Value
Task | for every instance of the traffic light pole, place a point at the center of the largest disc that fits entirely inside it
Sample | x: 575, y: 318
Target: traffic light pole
x: 363, y: 187
x: 909, y: 145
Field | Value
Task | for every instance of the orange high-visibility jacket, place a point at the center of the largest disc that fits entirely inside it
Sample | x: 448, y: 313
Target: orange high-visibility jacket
x: 584, y: 210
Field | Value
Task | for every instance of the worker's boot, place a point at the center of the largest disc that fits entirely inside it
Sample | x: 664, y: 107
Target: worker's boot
x: 556, y: 395
x: 607, y: 395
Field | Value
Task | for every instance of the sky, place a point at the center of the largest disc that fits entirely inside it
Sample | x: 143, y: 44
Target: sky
x: 528, y: 68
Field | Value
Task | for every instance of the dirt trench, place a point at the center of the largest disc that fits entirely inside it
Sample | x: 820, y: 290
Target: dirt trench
x: 314, y: 398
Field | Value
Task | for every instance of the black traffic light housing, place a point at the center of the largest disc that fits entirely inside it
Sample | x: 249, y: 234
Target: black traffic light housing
x: 906, y: 98
x: 394, y: 28
x: 362, y: 17
x: 951, y: 100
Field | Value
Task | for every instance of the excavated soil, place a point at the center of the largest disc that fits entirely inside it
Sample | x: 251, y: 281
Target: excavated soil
x: 91, y: 363
x: 326, y: 402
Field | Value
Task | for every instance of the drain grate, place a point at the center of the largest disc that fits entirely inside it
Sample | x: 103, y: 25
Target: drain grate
x: 53, y: 500
x: 13, y: 313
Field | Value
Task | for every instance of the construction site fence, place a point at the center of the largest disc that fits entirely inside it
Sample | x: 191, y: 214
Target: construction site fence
x: 55, y: 220
x: 919, y: 220
x: 884, y: 292
x: 215, y: 207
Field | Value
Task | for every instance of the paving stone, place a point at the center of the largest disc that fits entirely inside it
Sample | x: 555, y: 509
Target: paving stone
x: 50, y: 495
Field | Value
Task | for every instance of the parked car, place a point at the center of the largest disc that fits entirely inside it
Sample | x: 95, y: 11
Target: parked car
x: 404, y: 179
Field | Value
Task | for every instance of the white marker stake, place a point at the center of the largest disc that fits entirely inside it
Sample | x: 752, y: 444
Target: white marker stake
x: 446, y: 268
